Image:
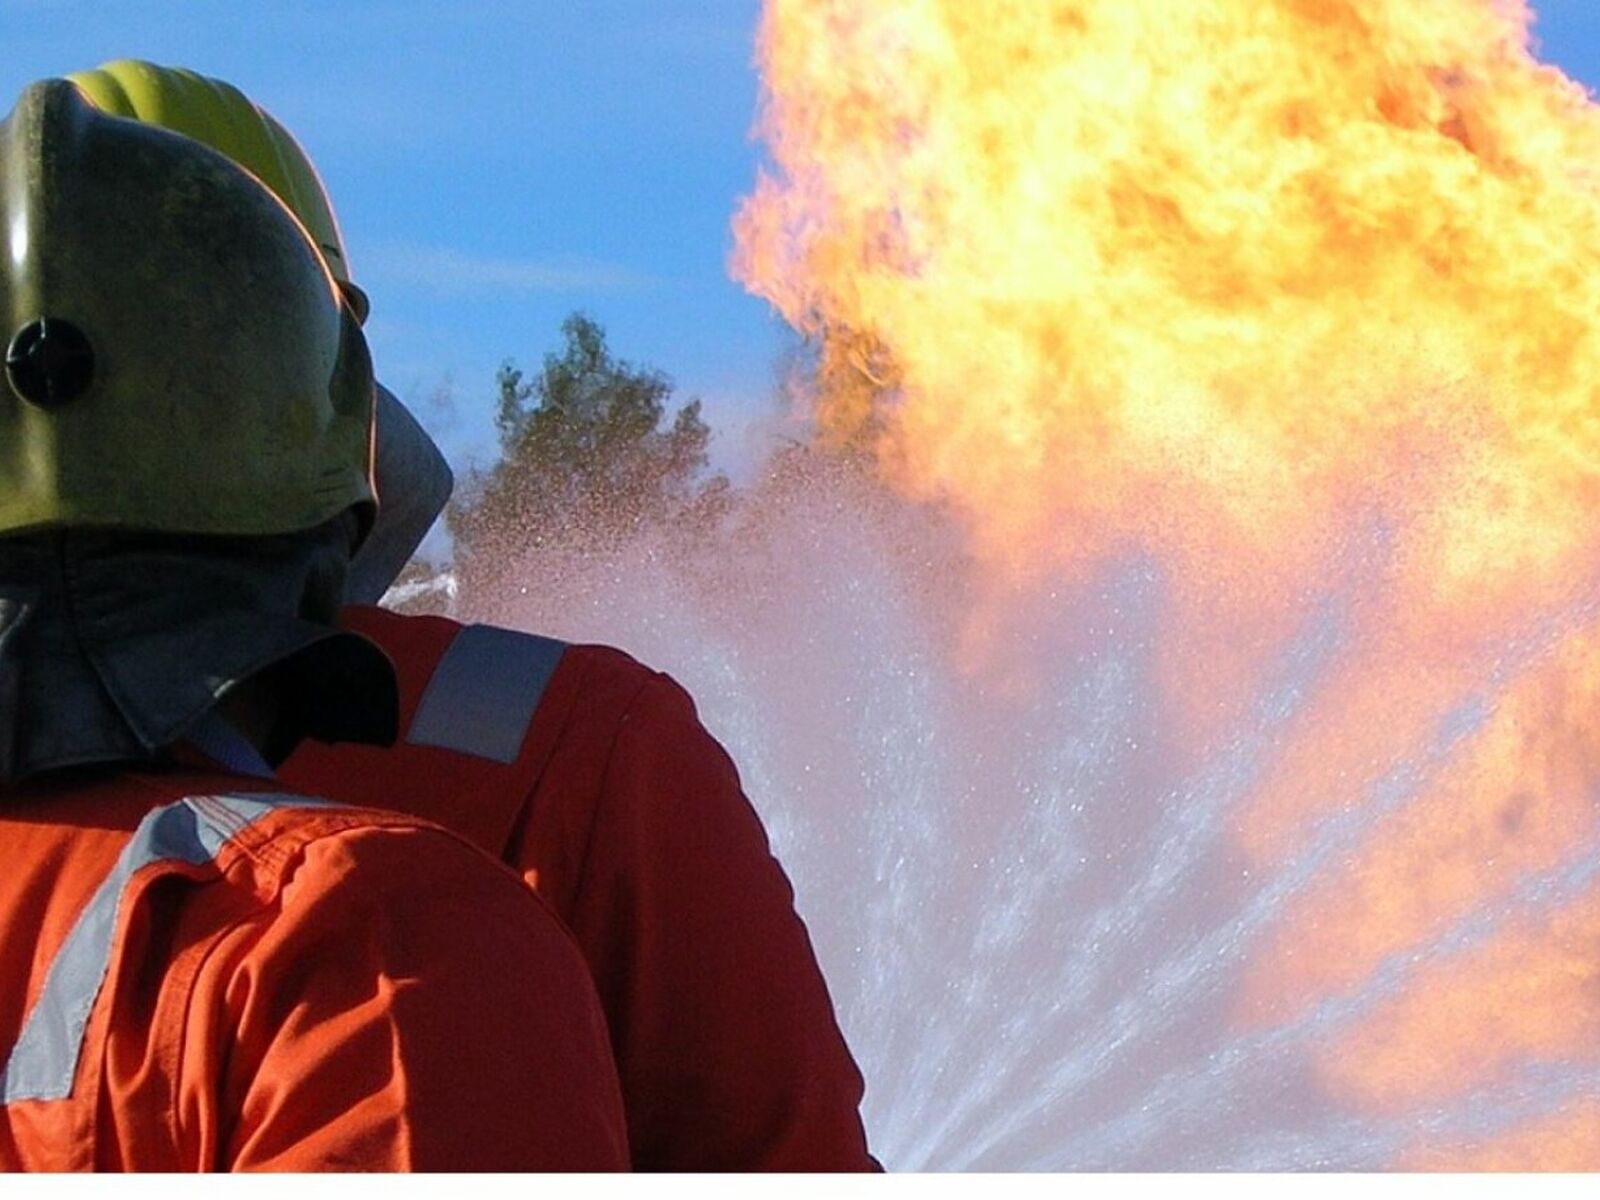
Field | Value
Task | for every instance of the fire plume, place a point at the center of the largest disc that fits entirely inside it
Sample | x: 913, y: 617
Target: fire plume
x: 1098, y: 247
x: 1242, y: 281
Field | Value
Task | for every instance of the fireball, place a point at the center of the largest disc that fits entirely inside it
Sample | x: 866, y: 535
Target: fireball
x: 1303, y: 298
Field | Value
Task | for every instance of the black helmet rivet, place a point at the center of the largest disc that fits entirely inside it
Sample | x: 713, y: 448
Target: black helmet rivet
x: 50, y: 362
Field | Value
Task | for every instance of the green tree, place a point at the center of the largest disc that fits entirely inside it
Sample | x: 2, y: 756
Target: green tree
x: 588, y: 455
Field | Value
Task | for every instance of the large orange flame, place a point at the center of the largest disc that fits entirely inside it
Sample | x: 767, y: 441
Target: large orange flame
x: 1255, y: 283
x: 1241, y: 243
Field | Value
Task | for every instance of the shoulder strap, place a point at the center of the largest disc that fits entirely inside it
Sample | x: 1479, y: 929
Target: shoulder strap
x: 483, y: 694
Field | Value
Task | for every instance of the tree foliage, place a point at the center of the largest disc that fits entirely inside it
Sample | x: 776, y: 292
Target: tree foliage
x: 588, y: 453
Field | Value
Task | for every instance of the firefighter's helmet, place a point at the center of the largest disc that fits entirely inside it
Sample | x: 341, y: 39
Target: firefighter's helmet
x: 181, y: 357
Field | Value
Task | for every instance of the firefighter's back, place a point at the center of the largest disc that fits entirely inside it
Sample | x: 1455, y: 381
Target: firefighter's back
x: 592, y: 776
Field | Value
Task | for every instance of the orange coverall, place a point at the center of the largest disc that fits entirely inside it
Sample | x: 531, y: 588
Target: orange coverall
x: 204, y: 973
x: 592, y: 776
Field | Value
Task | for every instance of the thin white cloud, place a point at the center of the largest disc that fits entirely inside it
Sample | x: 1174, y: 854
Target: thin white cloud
x: 452, y: 272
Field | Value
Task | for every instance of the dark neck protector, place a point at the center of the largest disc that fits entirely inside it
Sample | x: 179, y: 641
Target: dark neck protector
x: 112, y: 645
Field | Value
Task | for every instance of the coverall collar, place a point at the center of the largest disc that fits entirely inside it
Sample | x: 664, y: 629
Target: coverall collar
x: 228, y: 748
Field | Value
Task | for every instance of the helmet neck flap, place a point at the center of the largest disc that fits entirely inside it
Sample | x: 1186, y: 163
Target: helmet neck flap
x: 113, y: 645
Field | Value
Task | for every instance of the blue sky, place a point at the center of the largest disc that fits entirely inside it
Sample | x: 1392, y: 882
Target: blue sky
x: 498, y: 164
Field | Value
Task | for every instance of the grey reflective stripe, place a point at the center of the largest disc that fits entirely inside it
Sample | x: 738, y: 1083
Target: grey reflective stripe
x: 45, y: 1058
x: 484, y: 692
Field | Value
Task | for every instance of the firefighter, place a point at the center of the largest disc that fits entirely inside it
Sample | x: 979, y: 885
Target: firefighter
x: 201, y: 968
x: 593, y: 778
